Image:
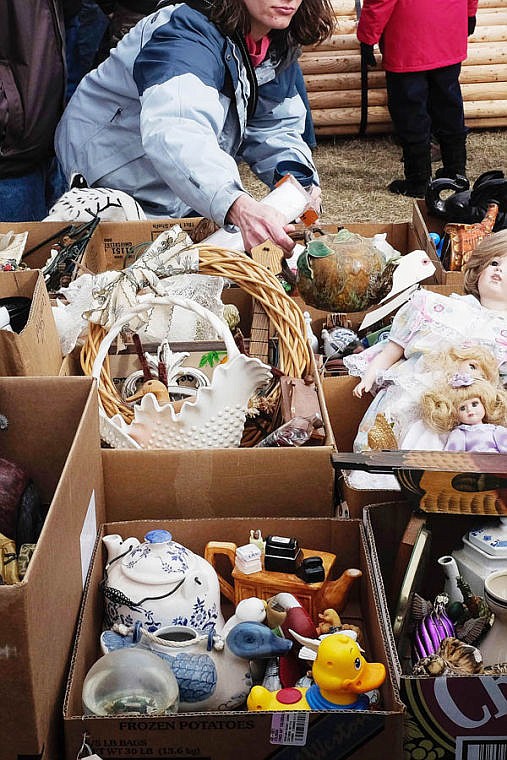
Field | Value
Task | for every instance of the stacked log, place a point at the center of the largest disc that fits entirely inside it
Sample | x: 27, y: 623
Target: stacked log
x: 332, y: 73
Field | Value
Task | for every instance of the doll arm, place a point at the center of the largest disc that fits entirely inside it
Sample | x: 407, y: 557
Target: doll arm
x: 500, y: 438
x: 389, y: 355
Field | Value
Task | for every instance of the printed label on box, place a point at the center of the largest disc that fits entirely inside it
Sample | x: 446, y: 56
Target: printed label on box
x: 87, y: 537
x: 480, y: 748
x: 289, y: 728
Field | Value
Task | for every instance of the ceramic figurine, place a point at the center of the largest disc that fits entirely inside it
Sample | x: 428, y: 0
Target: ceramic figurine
x: 451, y: 573
x: 158, y: 583
x: 215, y: 418
x: 292, y: 617
x: 453, y: 657
x: 212, y: 671
x: 484, y: 551
x: 330, y: 622
x: 471, y: 411
x: 341, y: 678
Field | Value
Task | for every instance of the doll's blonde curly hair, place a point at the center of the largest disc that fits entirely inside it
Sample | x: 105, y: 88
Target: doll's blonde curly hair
x: 439, y: 407
x: 449, y: 360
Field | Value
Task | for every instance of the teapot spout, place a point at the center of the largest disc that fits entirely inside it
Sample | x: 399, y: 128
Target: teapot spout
x: 335, y: 594
x: 116, y: 545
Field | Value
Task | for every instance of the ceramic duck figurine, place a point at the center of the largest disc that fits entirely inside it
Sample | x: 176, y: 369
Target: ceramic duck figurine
x: 341, y: 678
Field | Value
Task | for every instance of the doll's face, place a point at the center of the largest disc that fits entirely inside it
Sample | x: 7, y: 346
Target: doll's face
x: 471, y: 411
x: 492, y: 283
x: 470, y: 367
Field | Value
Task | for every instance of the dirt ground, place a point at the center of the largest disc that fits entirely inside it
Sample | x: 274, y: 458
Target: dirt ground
x: 355, y: 172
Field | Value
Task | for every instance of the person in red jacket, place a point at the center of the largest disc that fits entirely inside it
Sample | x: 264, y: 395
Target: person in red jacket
x: 422, y: 44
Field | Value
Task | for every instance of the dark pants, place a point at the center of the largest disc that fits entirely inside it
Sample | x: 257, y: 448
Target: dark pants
x: 425, y: 103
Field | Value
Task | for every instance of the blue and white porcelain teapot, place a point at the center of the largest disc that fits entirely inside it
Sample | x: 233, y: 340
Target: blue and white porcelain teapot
x: 159, y: 583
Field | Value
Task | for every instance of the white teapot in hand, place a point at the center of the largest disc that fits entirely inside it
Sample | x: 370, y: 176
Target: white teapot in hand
x: 159, y: 583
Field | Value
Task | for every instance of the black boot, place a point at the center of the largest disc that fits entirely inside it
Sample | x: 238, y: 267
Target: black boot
x: 417, y: 168
x: 454, y: 156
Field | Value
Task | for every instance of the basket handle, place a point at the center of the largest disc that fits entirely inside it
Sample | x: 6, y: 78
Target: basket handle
x: 219, y: 325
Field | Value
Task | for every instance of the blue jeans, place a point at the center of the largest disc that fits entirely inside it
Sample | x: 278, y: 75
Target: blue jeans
x: 29, y: 197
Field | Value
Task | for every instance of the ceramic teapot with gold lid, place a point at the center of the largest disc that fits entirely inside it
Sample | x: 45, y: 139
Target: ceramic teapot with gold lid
x: 159, y: 583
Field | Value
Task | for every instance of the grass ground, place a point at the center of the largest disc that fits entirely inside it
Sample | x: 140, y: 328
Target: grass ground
x: 355, y: 172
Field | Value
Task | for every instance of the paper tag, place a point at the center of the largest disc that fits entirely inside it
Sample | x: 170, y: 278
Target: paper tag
x: 377, y: 314
x: 12, y: 246
x: 481, y: 748
x: 289, y: 728
x: 87, y: 537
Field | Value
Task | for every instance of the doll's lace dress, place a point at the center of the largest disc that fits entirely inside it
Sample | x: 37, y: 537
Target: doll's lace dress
x: 427, y: 324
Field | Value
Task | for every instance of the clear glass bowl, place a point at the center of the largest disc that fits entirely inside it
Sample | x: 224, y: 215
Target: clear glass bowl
x: 130, y: 681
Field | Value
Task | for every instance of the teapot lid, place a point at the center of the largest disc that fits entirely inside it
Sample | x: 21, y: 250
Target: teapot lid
x: 159, y: 560
x: 491, y: 539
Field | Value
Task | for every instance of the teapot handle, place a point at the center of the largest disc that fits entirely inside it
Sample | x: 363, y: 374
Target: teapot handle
x: 228, y: 549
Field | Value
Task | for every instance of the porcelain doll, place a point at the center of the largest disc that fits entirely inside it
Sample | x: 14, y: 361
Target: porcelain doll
x: 471, y: 410
x: 398, y: 370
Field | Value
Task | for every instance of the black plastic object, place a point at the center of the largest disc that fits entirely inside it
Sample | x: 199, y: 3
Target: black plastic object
x: 19, y: 309
x: 311, y: 570
x: 282, y: 555
x: 469, y: 206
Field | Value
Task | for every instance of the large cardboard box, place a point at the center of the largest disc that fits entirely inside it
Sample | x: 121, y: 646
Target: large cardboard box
x: 36, y: 349
x: 113, y: 245
x: 345, y: 413
x: 226, y: 735
x: 53, y: 435
x: 284, y: 482
x: 447, y: 717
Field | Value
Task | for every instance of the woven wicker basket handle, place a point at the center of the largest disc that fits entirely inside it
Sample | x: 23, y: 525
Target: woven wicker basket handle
x: 219, y: 325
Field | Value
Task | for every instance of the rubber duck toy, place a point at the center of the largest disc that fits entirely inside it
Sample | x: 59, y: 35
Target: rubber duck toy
x: 341, y: 677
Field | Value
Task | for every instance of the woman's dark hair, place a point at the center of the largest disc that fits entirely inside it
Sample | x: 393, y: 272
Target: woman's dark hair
x: 312, y: 23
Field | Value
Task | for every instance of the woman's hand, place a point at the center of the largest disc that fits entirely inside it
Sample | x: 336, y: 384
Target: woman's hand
x: 259, y: 222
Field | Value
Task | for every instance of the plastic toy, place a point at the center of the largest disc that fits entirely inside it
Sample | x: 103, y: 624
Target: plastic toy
x: 341, y: 678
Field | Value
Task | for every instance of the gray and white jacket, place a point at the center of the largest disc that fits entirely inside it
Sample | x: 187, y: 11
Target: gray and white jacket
x: 164, y: 118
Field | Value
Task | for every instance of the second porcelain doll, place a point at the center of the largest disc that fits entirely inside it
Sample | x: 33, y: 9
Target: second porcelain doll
x: 471, y: 410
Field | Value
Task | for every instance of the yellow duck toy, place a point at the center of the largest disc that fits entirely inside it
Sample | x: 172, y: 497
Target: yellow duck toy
x: 341, y: 677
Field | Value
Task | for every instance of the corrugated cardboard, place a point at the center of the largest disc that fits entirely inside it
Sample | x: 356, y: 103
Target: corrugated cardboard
x: 226, y: 735
x: 112, y: 243
x: 53, y: 435
x: 447, y: 717
x: 290, y: 482
x: 41, y: 237
x: 36, y: 349
x: 345, y: 413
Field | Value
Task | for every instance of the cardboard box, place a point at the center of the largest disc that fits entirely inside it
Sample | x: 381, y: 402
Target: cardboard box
x: 427, y: 223
x: 111, y: 246
x: 225, y: 735
x: 53, y: 435
x: 283, y: 482
x: 345, y: 413
x: 36, y: 349
x: 447, y: 717
x: 41, y: 237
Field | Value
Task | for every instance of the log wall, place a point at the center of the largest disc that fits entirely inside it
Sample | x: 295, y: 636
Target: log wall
x: 332, y: 73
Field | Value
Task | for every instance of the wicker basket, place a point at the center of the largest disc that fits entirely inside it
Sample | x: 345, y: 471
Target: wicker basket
x: 284, y: 315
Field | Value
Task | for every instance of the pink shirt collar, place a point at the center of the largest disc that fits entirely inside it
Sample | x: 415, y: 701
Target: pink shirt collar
x: 257, y: 50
